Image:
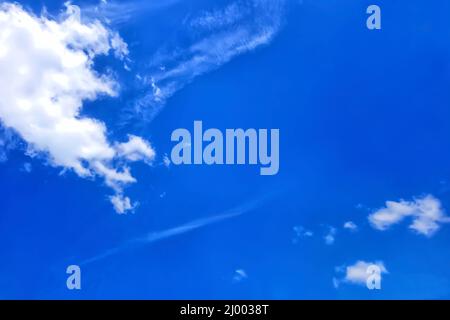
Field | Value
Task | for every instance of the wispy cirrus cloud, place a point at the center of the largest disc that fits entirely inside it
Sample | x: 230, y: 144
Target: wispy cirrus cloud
x: 116, y: 12
x: 210, y: 39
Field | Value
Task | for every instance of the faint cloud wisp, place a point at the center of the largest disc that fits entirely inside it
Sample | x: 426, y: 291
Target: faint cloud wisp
x: 157, y: 236
x: 213, y: 38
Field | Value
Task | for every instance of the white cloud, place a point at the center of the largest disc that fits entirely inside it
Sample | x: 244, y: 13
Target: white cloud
x: 120, y: 12
x: 239, y: 275
x: 219, y: 18
x: 7, y: 142
x: 217, y: 36
x: 350, y: 225
x: 330, y: 236
x: 336, y: 283
x: 166, y: 161
x: 122, y: 204
x: 46, y: 73
x: 119, y: 46
x: 136, y: 149
x: 27, y: 167
x: 301, y: 232
x: 425, y: 212
x: 357, y: 273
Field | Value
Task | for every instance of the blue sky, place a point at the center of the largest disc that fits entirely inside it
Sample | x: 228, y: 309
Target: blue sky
x: 363, y: 118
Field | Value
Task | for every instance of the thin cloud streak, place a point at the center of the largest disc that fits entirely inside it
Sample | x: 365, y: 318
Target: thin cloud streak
x: 153, y: 237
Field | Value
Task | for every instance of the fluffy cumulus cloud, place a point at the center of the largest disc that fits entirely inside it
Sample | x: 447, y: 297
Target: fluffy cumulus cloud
x: 426, y: 214
x: 350, y: 225
x: 46, y: 73
x: 122, y: 204
x: 136, y: 149
x: 357, y: 273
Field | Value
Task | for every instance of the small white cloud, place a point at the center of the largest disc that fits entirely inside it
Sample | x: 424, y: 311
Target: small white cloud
x: 136, y: 149
x: 425, y: 212
x: 301, y: 232
x: 330, y: 236
x: 239, y: 275
x: 350, y: 225
x: 122, y: 204
x: 360, y: 206
x: 27, y: 167
x: 166, y: 161
x: 336, y: 283
x: 357, y: 273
